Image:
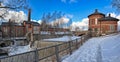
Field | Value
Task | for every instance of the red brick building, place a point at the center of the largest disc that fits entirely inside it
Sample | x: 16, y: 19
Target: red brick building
x: 11, y: 29
x: 100, y: 24
x: 33, y: 27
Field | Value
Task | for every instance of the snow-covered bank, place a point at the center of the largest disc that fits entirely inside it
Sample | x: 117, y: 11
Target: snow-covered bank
x: 111, y: 49
x: 62, y: 39
x: 19, y: 49
x: 22, y: 49
x: 100, y: 49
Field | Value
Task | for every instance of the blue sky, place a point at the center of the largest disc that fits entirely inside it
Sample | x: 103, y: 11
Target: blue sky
x: 79, y: 9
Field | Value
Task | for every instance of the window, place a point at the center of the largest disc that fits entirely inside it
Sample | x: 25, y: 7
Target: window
x: 112, y: 28
x: 92, y: 21
x: 92, y: 29
x: 96, y: 21
x: 36, y: 30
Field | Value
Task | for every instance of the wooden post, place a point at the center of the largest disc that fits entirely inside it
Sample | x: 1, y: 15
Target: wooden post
x: 36, y: 55
x: 81, y: 40
x: 57, y: 53
x: 77, y: 42
x: 70, y: 50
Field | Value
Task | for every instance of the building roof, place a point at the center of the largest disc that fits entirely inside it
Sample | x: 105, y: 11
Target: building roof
x: 108, y: 18
x: 33, y: 23
x: 96, y: 13
x: 10, y: 23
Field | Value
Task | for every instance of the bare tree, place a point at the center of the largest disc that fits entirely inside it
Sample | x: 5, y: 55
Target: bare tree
x: 55, y: 20
x: 116, y: 4
x: 48, y: 18
x: 77, y: 28
x: 16, y: 5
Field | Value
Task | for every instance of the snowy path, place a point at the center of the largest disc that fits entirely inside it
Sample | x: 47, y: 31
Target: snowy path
x: 100, y: 49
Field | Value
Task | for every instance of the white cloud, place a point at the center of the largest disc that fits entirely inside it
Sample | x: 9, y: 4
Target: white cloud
x: 63, y: 21
x: 18, y: 17
x: 39, y: 21
x: 112, y: 14
x: 83, y: 24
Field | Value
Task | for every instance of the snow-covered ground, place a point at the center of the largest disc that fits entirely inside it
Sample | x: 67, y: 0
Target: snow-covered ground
x: 62, y: 39
x: 48, y: 33
x: 44, y: 32
x: 22, y: 49
x: 99, y: 49
x: 19, y: 49
x: 62, y: 32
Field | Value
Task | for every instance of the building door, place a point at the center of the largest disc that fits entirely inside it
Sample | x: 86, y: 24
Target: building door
x: 96, y: 31
x: 103, y: 30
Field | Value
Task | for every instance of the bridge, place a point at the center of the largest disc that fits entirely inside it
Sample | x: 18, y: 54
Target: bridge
x: 80, y: 33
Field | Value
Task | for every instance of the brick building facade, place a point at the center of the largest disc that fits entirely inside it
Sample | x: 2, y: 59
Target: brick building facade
x: 100, y: 24
x: 12, y: 29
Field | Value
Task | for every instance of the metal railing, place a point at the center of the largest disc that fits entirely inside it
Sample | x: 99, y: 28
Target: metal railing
x: 55, y: 53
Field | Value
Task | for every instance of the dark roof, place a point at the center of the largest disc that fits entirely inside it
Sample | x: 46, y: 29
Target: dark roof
x: 96, y: 13
x: 8, y: 23
x: 33, y: 23
x: 108, y: 18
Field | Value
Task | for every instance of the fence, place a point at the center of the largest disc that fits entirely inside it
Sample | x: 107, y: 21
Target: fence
x: 54, y: 53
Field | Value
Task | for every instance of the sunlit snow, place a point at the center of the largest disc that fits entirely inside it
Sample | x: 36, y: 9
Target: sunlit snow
x: 98, y: 49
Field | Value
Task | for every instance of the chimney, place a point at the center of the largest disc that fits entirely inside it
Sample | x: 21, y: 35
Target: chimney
x: 109, y: 15
x: 9, y: 20
x: 96, y: 10
x: 29, y: 15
